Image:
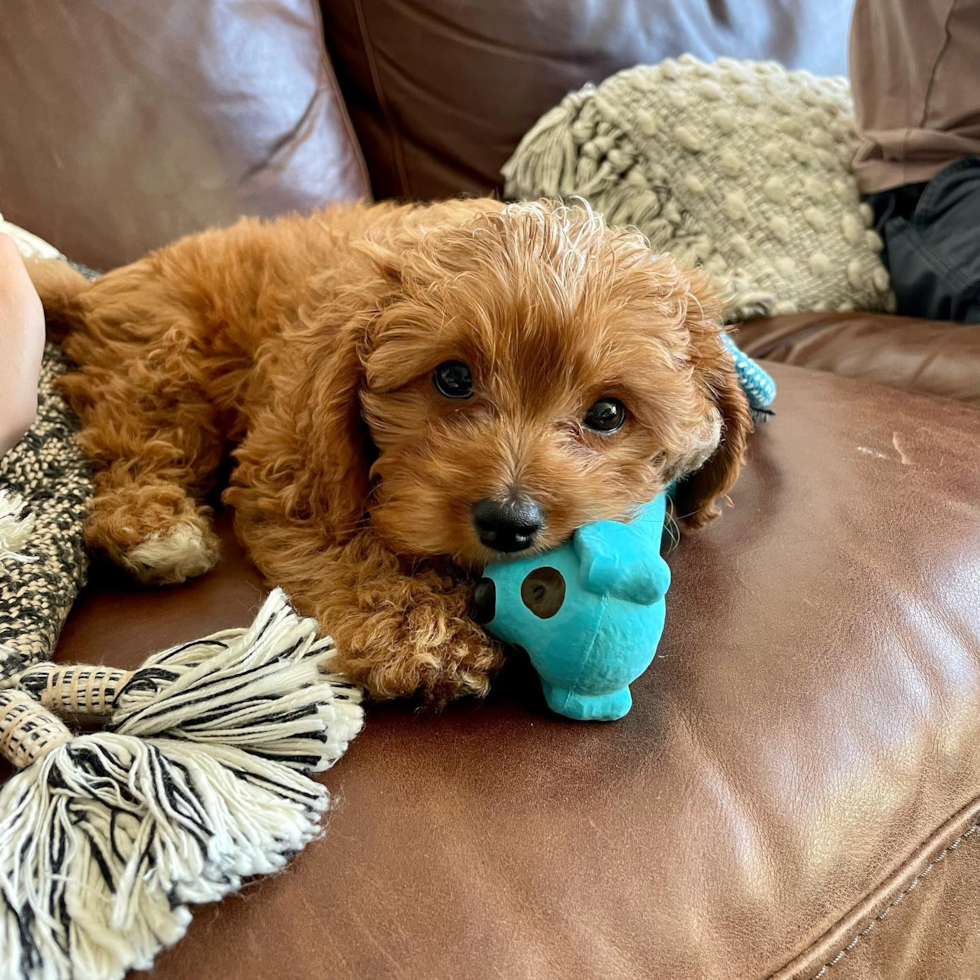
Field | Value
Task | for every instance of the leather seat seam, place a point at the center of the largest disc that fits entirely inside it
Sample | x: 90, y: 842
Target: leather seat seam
x: 797, y: 966
x: 913, y: 885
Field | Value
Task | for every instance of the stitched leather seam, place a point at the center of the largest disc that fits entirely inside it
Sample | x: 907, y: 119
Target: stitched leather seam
x: 940, y: 859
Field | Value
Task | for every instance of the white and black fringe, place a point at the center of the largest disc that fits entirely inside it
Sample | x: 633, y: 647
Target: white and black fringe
x: 201, y: 780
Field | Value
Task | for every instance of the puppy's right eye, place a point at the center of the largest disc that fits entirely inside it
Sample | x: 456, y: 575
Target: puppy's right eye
x: 453, y: 379
x: 606, y: 415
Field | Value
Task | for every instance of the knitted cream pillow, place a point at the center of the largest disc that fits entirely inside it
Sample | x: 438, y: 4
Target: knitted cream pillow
x: 739, y: 166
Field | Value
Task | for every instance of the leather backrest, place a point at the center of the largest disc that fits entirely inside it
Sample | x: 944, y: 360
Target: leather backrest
x: 441, y: 91
x: 124, y: 125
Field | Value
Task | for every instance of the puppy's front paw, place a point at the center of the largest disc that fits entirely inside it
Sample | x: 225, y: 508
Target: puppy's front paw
x: 428, y: 647
x: 158, y: 534
x: 170, y: 557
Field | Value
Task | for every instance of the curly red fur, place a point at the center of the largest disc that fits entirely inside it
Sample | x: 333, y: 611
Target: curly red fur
x: 305, y: 348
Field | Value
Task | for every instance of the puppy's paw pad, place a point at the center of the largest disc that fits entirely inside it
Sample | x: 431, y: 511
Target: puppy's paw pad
x: 171, y: 557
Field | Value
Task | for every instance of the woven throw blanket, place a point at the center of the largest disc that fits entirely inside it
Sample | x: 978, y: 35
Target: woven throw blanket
x: 741, y: 167
x: 45, y: 487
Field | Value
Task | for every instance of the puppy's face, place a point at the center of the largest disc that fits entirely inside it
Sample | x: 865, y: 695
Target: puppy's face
x: 528, y: 372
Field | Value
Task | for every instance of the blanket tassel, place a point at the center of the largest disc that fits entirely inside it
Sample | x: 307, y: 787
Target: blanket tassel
x: 200, y: 780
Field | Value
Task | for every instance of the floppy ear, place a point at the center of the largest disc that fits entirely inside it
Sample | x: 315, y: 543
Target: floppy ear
x: 696, y: 496
x: 308, y: 453
x: 336, y: 447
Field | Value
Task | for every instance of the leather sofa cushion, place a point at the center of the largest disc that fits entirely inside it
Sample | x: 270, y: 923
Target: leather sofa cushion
x: 802, y: 760
x: 126, y: 125
x: 925, y: 356
x: 440, y: 92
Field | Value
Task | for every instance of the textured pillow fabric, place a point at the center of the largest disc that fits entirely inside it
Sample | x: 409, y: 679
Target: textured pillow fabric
x: 45, y: 488
x: 739, y: 166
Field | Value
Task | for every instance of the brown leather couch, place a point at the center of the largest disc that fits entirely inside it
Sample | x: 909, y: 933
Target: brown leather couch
x: 796, y: 793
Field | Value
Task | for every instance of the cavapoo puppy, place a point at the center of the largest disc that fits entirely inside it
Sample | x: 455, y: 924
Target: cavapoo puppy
x: 407, y: 392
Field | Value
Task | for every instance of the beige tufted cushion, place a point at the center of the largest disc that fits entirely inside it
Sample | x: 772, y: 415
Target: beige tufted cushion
x: 739, y: 166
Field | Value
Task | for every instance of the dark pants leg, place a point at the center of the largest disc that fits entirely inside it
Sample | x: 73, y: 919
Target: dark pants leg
x: 931, y: 233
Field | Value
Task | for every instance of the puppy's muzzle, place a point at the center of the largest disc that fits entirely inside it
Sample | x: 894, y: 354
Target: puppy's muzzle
x: 508, y: 527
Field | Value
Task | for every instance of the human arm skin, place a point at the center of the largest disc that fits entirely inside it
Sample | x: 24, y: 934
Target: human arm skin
x: 21, y: 346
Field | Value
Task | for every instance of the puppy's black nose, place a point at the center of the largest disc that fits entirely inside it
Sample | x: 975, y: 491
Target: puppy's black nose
x: 510, y: 526
x: 484, y: 601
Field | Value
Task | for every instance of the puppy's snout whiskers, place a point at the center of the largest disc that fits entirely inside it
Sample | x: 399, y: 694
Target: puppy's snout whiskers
x: 672, y: 529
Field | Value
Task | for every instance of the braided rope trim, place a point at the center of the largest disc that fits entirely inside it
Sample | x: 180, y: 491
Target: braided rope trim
x: 75, y: 689
x: 28, y: 730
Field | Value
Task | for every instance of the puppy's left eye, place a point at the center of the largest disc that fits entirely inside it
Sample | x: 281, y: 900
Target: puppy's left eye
x: 453, y: 379
x: 606, y: 415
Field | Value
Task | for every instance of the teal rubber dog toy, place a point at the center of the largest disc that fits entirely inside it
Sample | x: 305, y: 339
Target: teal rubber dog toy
x: 590, y: 613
